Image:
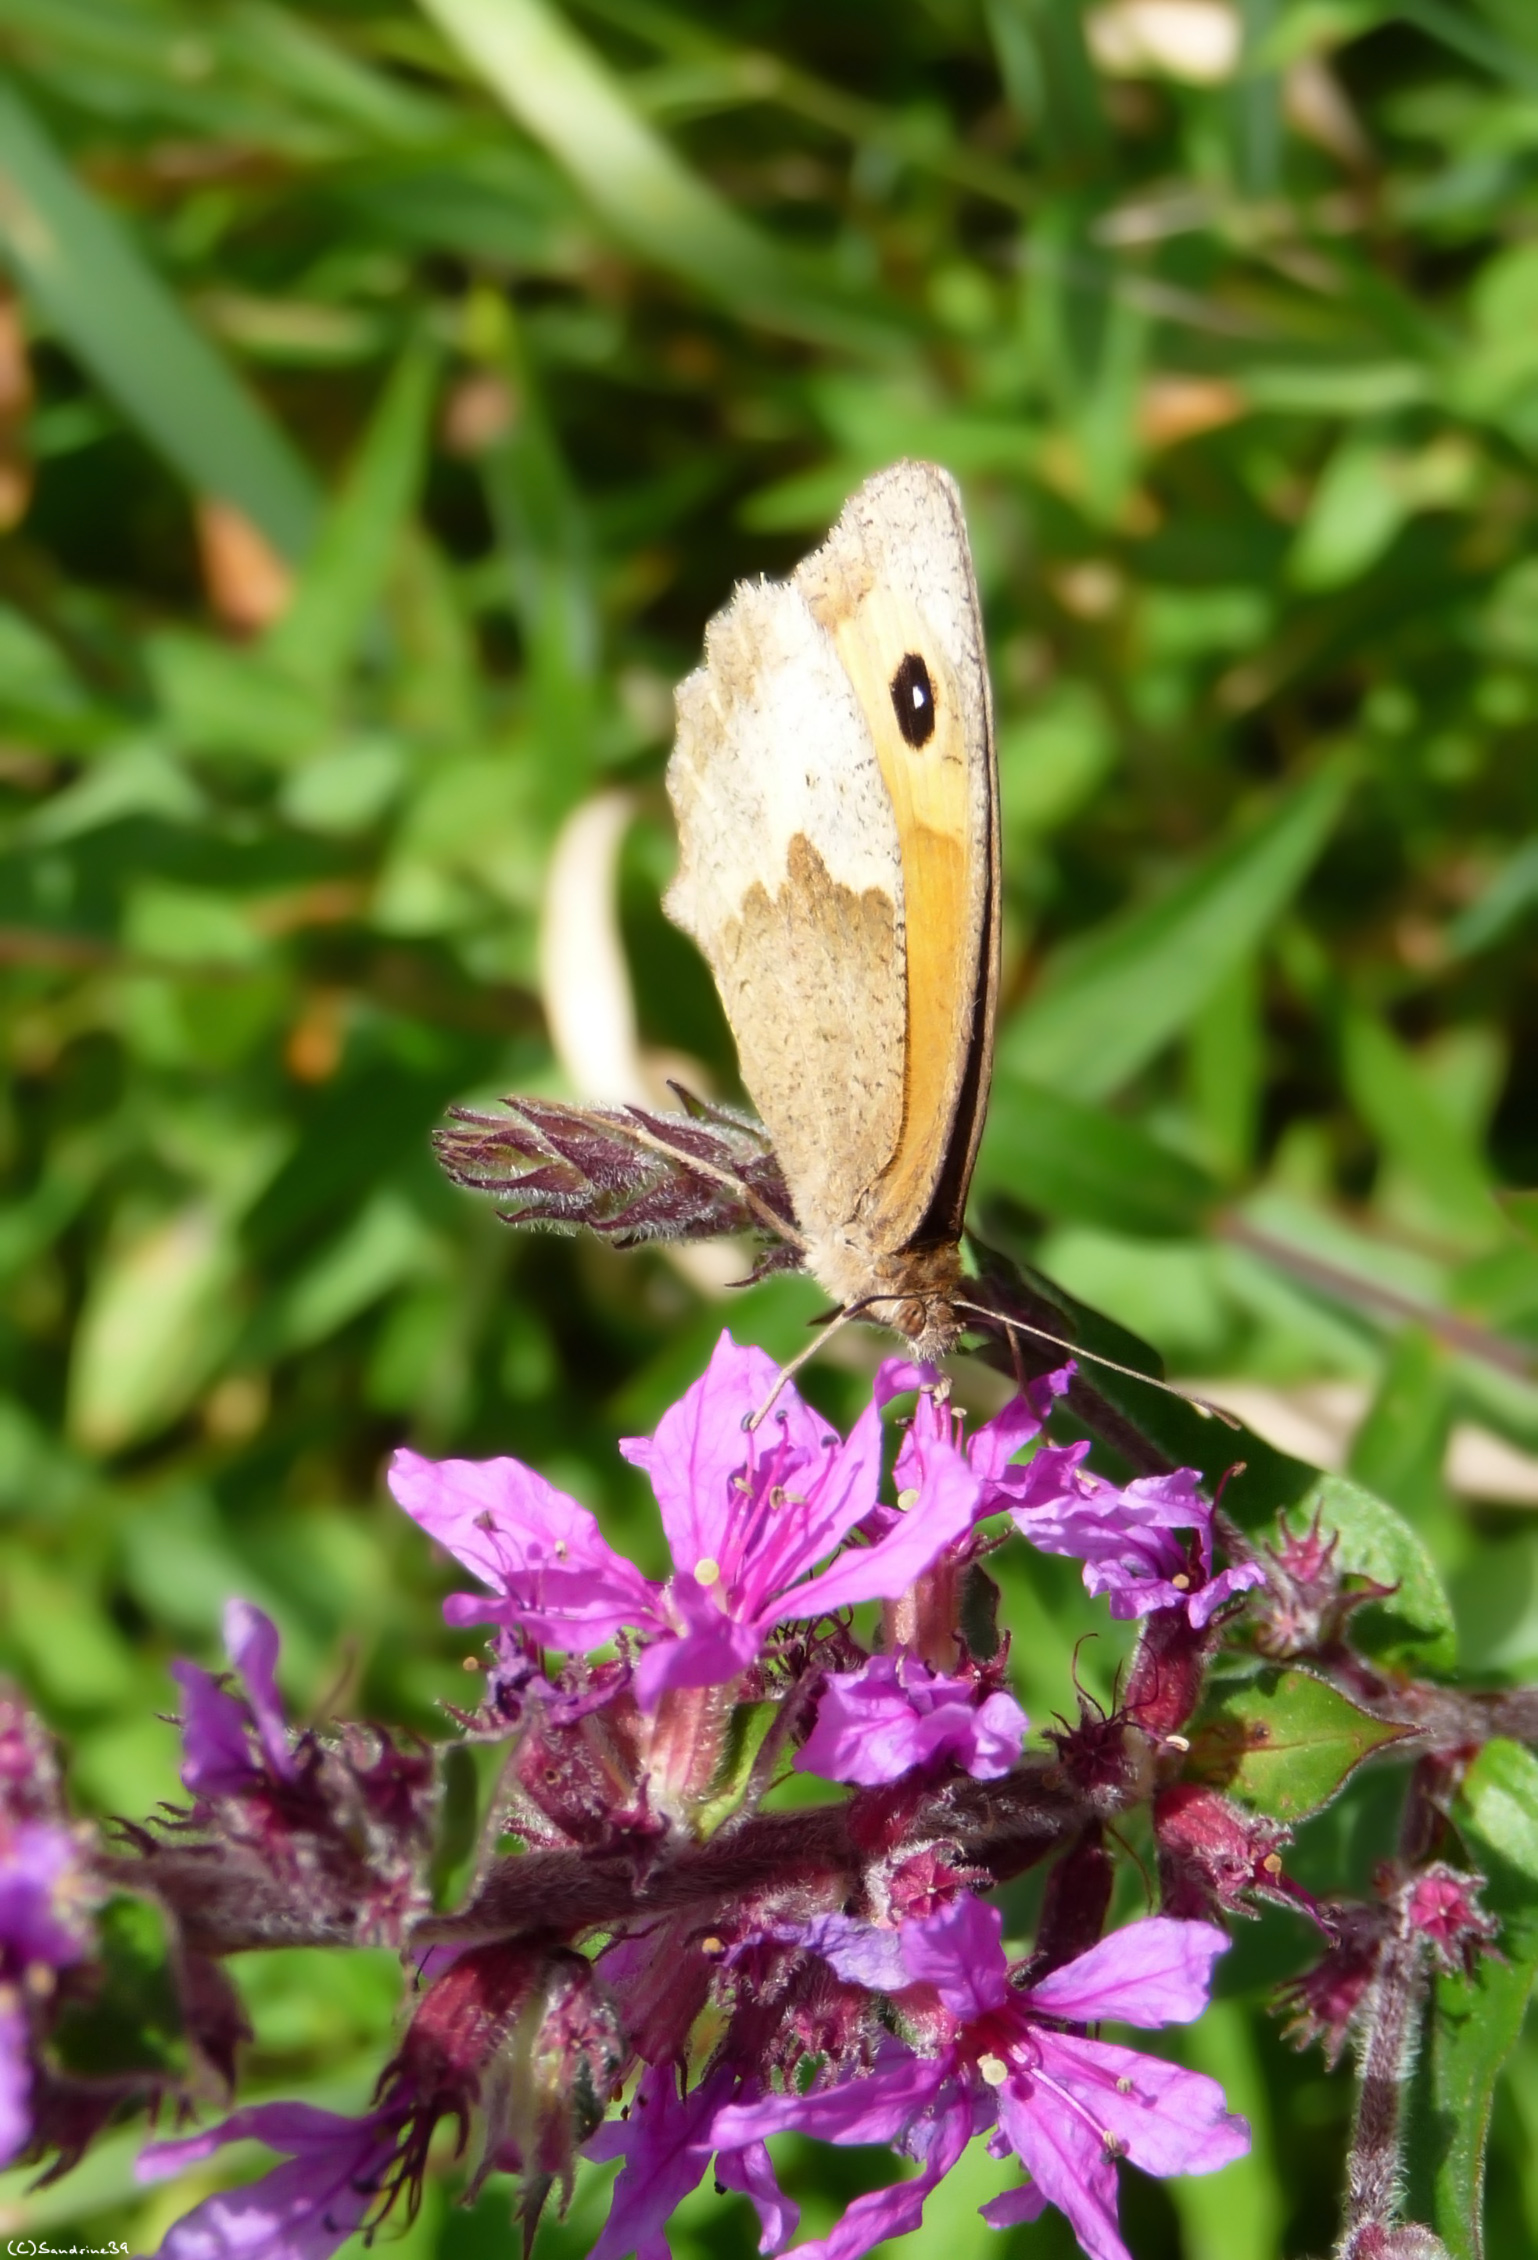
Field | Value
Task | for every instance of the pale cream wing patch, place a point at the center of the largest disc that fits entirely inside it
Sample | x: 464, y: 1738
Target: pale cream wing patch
x: 790, y: 881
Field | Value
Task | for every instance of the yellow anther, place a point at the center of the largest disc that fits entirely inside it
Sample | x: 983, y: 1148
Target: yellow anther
x: 907, y: 1499
x: 707, y: 1571
x: 1181, y: 1582
x: 993, y: 2069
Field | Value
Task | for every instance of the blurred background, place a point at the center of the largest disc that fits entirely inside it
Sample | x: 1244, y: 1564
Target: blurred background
x: 388, y: 395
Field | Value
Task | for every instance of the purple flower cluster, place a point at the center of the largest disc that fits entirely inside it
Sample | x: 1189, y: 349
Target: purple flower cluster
x: 850, y: 1983
x: 46, y: 1900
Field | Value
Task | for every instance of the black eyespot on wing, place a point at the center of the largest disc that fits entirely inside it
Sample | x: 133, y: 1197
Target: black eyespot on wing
x: 913, y: 700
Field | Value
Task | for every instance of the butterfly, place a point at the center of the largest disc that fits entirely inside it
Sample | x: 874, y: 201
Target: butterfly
x: 836, y: 794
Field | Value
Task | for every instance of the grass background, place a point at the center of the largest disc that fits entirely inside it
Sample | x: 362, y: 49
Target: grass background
x: 387, y: 397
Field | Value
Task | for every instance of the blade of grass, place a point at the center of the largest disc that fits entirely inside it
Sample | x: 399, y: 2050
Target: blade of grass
x: 1108, y: 1006
x: 563, y: 94
x: 317, y: 636
x: 751, y: 75
x: 1404, y: 1115
x: 110, y: 308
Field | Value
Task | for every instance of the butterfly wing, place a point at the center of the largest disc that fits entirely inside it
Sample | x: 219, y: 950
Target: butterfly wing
x: 833, y: 781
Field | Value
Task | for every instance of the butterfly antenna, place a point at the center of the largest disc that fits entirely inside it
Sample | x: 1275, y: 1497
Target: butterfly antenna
x: 1077, y: 1350
x: 755, y: 1420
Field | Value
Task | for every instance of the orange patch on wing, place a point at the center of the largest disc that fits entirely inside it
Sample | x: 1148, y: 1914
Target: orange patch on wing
x: 944, y: 884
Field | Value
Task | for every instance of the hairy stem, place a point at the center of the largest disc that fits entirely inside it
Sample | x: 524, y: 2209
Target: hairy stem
x: 1391, y: 2032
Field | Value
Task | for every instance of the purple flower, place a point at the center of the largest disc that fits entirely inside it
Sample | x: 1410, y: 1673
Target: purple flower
x: 894, y: 1713
x: 44, y: 1928
x: 1068, y: 2106
x: 44, y: 1901
x: 514, y: 2037
x: 748, y: 1515
x: 291, y: 1837
x: 336, y: 2171
x: 1126, y: 1538
x: 227, y: 1744
x: 666, y: 2143
x: 989, y: 1450
x: 15, y: 2084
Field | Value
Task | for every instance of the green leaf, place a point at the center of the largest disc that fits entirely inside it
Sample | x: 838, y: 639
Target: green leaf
x: 318, y: 635
x: 1476, y: 2022
x: 547, y: 543
x: 1416, y: 1624
x: 112, y: 310
x: 1051, y: 762
x: 1256, y: 1477
x: 745, y: 1733
x: 1226, y: 1068
x: 1358, y: 507
x: 219, y: 702
x: 1286, y: 1742
x: 1399, y: 1449
x: 1070, y: 1160
x: 1107, y: 1006
x: 158, y: 1318
x: 386, y: 1244
x: 562, y: 93
x: 39, y: 694
x: 1403, y: 1113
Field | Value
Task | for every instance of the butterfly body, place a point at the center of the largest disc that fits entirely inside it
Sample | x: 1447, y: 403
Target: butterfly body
x: 837, y: 804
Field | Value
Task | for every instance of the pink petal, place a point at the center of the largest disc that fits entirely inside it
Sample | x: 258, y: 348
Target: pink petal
x: 701, y: 1444
x: 875, y: 1724
x: 957, y: 1950
x: 533, y: 1546
x: 1169, y: 2120
x: 15, y: 2083
x: 216, y: 1756
x: 875, y: 2106
x: 995, y: 1444
x: 666, y: 2144
x: 1066, y: 2160
x: 899, y: 2209
x: 1155, y: 1972
x: 251, y: 1642
x: 304, y: 2209
x: 832, y: 1498
x: 943, y: 1512
x: 710, y: 1651
x: 1208, y: 1599
x: 897, y: 1377
x: 299, y: 2129
x: 751, y: 2170
x: 1130, y: 1594
x: 1172, y: 1502
x: 1013, y: 2206
x: 858, y: 1952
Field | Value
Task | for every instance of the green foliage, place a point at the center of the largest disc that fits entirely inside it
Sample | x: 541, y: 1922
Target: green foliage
x: 1285, y: 1742
x: 1413, y: 1623
x: 1479, y: 2018
x: 520, y: 331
